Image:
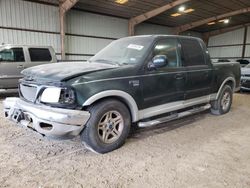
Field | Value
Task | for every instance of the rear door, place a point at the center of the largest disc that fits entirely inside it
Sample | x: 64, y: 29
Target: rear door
x: 166, y: 84
x: 38, y: 56
x: 199, y: 70
x: 12, y: 61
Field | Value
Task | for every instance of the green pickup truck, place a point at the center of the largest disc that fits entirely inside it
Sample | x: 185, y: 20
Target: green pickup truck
x: 140, y: 80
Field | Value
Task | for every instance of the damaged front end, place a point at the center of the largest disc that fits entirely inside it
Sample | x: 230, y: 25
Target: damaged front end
x: 50, y: 110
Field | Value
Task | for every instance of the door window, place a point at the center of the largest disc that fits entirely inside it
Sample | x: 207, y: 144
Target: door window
x: 193, y: 52
x: 12, y: 55
x: 168, y: 47
x: 40, y: 54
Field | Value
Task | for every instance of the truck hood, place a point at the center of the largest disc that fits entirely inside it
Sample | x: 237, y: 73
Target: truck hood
x: 63, y: 71
x: 245, y: 71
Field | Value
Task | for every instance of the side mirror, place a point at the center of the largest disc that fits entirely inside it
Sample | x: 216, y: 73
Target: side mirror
x: 158, y: 61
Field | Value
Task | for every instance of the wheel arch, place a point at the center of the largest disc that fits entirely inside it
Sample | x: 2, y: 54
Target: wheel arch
x: 124, y: 97
x: 228, y: 81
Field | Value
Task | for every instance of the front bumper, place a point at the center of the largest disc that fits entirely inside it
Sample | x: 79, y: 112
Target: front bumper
x: 55, y: 122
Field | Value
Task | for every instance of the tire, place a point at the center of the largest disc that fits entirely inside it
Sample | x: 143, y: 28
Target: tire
x: 108, y: 126
x: 223, y: 104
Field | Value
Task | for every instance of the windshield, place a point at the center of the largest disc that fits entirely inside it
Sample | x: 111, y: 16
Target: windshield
x: 124, y: 51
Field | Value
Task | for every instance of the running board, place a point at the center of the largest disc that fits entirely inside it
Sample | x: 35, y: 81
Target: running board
x: 174, y: 116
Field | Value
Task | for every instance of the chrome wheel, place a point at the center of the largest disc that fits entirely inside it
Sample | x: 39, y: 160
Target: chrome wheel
x: 110, y: 127
x: 225, y: 101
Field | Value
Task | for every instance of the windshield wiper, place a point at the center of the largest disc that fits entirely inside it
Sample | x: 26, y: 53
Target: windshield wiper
x: 105, y: 61
x: 125, y: 63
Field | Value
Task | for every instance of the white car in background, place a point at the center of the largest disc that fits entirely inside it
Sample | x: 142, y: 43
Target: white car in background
x: 243, y: 62
x: 245, y: 78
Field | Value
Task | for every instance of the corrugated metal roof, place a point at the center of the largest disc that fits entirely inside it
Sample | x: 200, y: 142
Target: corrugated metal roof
x: 203, y: 9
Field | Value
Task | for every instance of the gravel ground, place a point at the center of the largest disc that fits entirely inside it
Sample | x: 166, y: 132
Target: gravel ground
x: 199, y: 151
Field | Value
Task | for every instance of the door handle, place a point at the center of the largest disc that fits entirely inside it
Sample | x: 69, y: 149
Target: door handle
x: 179, y: 76
x: 20, y: 66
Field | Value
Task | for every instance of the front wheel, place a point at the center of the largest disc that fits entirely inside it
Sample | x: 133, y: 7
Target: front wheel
x: 108, y: 126
x: 223, y: 104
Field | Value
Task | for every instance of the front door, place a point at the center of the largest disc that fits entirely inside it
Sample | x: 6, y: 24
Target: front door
x: 12, y: 62
x: 164, y: 85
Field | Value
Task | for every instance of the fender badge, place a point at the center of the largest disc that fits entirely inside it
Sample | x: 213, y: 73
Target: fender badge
x: 134, y: 83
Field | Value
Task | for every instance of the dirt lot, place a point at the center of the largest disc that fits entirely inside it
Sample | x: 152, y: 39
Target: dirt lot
x: 199, y: 151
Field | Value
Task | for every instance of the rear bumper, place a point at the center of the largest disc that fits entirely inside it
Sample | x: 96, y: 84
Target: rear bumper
x: 46, y: 120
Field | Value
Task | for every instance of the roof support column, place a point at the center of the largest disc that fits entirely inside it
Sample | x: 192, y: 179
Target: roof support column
x: 64, y: 6
x: 131, y: 28
x: 62, y: 33
x: 244, y: 42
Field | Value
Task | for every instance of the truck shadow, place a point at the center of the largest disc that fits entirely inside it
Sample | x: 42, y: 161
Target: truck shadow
x: 140, y: 133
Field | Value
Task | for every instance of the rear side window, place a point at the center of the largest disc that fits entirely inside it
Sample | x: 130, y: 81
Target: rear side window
x: 12, y: 55
x: 193, y: 52
x: 40, y: 54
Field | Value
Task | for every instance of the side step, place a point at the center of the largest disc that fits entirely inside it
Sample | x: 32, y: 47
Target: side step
x: 173, y: 116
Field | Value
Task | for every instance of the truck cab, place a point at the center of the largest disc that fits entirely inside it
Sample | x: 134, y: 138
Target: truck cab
x: 15, y: 58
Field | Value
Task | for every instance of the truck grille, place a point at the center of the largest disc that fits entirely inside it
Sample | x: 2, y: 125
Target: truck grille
x: 28, y: 92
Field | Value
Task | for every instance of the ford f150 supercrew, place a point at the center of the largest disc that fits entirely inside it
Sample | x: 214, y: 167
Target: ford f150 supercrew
x: 140, y: 80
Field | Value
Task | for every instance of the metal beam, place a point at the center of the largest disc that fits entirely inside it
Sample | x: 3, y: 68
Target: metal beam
x: 67, y: 5
x: 224, y: 30
x: 143, y: 17
x: 64, y: 6
x: 211, y: 19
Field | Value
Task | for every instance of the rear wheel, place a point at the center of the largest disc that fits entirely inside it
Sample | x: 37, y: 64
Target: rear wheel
x: 223, y: 104
x: 108, y: 126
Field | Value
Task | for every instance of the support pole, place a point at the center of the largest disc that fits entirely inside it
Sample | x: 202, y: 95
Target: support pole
x: 244, y: 42
x: 62, y: 33
x: 131, y: 28
x: 64, y: 6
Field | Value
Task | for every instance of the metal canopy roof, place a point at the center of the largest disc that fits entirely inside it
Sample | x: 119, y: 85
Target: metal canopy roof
x: 203, y: 9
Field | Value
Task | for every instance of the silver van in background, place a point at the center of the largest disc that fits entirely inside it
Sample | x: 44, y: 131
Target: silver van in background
x: 15, y: 58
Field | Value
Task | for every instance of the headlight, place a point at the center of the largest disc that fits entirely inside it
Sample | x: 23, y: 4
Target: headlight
x: 67, y: 96
x: 58, y: 96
